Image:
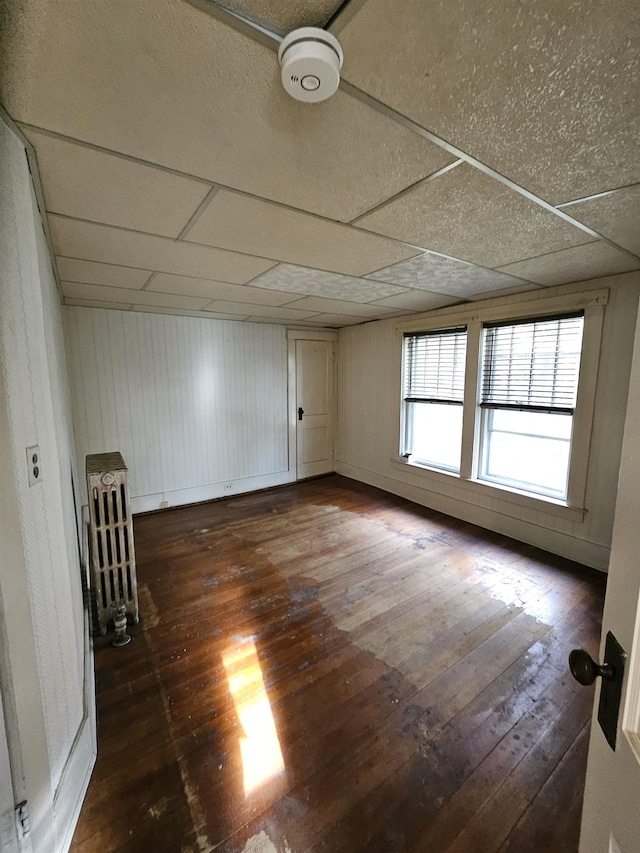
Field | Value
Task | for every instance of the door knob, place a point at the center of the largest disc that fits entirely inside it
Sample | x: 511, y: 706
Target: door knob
x: 585, y: 670
x: 300, y: 413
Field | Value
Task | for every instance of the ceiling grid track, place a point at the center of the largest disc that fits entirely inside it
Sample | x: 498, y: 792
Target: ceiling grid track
x: 272, y: 40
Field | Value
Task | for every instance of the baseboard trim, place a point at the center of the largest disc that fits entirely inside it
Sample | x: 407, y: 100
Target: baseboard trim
x: 588, y: 553
x: 211, y: 491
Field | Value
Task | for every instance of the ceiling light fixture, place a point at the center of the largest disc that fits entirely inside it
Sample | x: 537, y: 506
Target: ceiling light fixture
x: 310, y: 59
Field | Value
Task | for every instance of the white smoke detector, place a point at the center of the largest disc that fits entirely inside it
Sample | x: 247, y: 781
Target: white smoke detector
x: 310, y: 59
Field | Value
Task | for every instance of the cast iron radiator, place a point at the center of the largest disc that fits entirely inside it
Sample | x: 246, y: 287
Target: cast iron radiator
x: 113, y: 562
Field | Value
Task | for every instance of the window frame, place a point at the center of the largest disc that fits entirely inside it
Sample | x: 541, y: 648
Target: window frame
x: 409, y: 400
x: 593, y: 303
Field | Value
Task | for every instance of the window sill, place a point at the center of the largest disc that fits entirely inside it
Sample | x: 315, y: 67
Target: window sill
x: 487, y: 489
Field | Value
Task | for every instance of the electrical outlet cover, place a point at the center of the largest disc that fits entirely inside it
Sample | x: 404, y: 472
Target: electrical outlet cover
x: 34, y: 465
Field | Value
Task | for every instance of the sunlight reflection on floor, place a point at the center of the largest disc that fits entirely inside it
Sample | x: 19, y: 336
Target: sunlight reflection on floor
x: 260, y: 748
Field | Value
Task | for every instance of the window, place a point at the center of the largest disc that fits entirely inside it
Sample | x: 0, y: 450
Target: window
x: 500, y: 397
x: 433, y: 397
x: 529, y: 388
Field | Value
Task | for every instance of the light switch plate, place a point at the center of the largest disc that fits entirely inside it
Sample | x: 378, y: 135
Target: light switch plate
x: 34, y: 465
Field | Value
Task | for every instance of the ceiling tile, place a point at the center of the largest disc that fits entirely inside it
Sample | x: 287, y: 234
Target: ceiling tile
x: 89, y: 272
x: 577, y: 264
x: 183, y: 312
x: 467, y: 214
x: 546, y: 93
x: 97, y: 303
x: 318, y: 283
x: 234, y: 221
x: 297, y: 324
x: 165, y: 82
x: 223, y: 307
x: 88, y: 184
x: 165, y: 283
x: 339, y: 306
x: 506, y: 292
x: 77, y: 239
x: 418, y: 300
x: 76, y: 290
x: 615, y: 215
x: 445, y: 275
x: 338, y: 320
x: 282, y: 16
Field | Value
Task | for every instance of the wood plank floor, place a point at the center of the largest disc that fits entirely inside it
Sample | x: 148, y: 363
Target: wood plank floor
x: 324, y: 667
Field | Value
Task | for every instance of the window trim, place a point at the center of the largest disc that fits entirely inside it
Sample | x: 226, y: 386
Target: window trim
x: 473, y: 316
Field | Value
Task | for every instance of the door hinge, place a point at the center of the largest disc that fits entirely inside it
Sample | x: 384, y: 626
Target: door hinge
x: 22, y: 819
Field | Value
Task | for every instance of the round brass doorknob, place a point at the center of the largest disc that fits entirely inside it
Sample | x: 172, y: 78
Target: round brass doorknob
x: 585, y: 670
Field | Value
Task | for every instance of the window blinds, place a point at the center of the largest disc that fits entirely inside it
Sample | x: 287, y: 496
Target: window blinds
x: 434, y: 366
x: 532, y: 364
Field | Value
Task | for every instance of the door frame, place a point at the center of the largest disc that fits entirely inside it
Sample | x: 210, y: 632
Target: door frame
x: 294, y: 335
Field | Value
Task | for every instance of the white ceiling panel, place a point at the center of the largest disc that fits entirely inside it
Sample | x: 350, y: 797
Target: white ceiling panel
x: 165, y: 82
x: 76, y: 290
x: 577, y: 264
x: 182, y: 312
x: 544, y: 92
x: 338, y: 320
x: 234, y: 221
x: 615, y: 215
x: 317, y: 283
x: 445, y: 275
x: 97, y: 303
x: 338, y: 306
x: 223, y: 307
x: 77, y: 239
x: 282, y: 16
x: 418, y: 300
x: 165, y: 283
x: 89, y: 272
x: 468, y: 215
x: 87, y: 184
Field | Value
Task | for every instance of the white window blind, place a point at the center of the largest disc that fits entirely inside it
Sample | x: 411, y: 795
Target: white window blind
x: 533, y: 364
x: 434, y: 366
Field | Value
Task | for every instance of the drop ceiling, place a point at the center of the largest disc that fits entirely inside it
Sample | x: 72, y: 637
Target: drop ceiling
x: 471, y: 151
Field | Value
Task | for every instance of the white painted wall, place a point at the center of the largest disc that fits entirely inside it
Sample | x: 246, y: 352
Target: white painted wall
x: 42, y: 622
x: 194, y: 405
x: 369, y: 369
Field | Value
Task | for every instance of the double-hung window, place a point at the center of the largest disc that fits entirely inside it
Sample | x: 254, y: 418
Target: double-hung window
x: 529, y: 388
x: 502, y: 397
x: 433, y: 397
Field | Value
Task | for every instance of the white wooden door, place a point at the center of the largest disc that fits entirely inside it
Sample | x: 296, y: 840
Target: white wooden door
x: 314, y: 407
x: 611, y: 812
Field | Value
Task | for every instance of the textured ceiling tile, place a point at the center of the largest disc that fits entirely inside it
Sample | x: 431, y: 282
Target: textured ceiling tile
x: 418, y: 300
x: 181, y: 312
x: 78, y: 239
x: 188, y: 286
x: 221, y: 306
x: 317, y: 283
x: 89, y: 272
x: 282, y: 16
x: 506, y: 292
x: 234, y: 221
x: 165, y: 82
x: 445, y: 275
x: 615, y: 215
x: 338, y: 320
x: 87, y: 184
x: 339, y: 306
x: 577, y: 264
x: 546, y: 92
x: 76, y: 290
x: 97, y: 303
x: 467, y: 214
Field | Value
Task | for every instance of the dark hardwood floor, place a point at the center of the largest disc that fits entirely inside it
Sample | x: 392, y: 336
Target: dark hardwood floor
x: 324, y: 667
